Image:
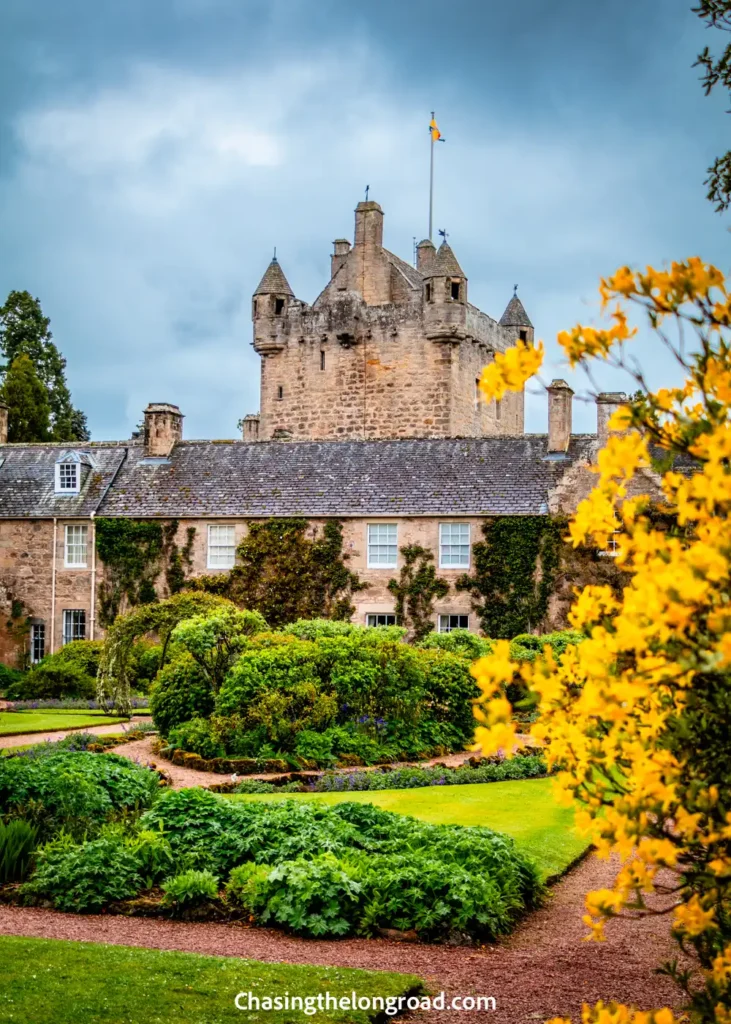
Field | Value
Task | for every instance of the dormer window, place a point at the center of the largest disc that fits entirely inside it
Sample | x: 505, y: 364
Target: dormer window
x: 67, y: 477
x: 69, y: 471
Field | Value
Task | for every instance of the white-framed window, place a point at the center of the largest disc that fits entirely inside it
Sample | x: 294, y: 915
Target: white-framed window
x: 37, y: 642
x: 68, y: 477
x: 612, y: 548
x: 382, y: 545
x: 74, y: 551
x: 449, y: 622
x: 74, y: 624
x: 380, y: 619
x: 221, y: 547
x: 454, y: 545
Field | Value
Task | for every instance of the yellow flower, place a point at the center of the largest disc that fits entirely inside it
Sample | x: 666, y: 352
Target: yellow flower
x: 511, y: 369
x: 692, y: 919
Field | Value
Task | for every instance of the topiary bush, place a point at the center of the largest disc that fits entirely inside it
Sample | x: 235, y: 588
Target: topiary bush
x: 180, y: 692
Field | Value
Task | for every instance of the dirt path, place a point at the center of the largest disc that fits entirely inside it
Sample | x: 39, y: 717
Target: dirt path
x: 21, y: 739
x: 543, y: 970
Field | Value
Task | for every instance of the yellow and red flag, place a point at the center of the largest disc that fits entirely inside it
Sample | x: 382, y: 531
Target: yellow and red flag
x: 436, y: 135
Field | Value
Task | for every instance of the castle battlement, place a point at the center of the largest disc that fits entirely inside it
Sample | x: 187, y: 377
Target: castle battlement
x: 386, y: 350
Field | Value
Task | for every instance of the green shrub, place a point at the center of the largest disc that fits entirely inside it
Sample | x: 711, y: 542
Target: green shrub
x: 17, y: 845
x: 77, y: 791
x: 180, y: 692
x: 83, y: 878
x: 196, y: 737
x: 153, y: 855
x: 459, y: 641
x: 145, y: 664
x: 8, y: 679
x: 54, y: 679
x: 84, y: 654
x: 316, y: 898
x: 315, y: 629
x: 189, y: 890
x: 255, y: 786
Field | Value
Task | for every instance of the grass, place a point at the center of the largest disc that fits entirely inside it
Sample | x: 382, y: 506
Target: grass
x: 523, y: 809
x: 51, y: 981
x: 13, y: 723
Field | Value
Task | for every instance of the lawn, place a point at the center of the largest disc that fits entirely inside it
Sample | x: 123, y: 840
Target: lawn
x: 523, y: 809
x: 50, y: 981
x: 14, y: 722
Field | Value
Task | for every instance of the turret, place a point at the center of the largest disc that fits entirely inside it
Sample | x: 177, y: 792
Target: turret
x: 516, y: 317
x: 445, y: 281
x: 273, y: 295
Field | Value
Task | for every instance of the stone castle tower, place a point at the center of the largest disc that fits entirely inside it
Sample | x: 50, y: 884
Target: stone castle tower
x: 386, y: 350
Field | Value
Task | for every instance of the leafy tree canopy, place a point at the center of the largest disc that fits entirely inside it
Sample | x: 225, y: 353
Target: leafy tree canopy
x: 24, y: 331
x: 29, y: 414
x: 717, y: 72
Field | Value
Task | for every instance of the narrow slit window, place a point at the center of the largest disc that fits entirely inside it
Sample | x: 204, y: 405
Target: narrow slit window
x: 428, y: 292
x: 255, y: 307
x: 37, y: 642
x: 280, y: 392
x: 322, y: 360
x: 498, y: 409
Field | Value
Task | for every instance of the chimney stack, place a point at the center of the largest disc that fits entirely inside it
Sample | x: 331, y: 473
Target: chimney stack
x: 3, y: 423
x: 425, y: 255
x: 368, y: 225
x: 341, y: 248
x: 607, y: 403
x: 250, y: 427
x: 560, y: 398
x: 163, y: 427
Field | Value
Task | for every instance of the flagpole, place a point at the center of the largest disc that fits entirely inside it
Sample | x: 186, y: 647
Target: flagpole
x: 431, y: 179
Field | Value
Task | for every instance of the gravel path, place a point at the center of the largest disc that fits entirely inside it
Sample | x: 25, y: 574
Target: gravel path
x: 141, y: 750
x: 21, y: 739
x: 543, y: 970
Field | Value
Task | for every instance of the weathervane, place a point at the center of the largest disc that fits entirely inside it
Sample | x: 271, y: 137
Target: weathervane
x: 515, y: 290
x: 368, y: 188
x: 443, y: 233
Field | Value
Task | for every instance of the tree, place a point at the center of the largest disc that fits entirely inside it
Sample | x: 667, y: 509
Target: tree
x: 24, y: 330
x: 27, y: 400
x: 717, y: 71
x: 638, y: 715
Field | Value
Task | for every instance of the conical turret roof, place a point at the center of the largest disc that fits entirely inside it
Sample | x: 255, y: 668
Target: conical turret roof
x: 274, y: 282
x: 445, y: 264
x: 515, y: 314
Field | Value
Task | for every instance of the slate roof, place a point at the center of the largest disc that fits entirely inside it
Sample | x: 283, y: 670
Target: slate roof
x: 27, y: 480
x: 515, y: 314
x: 274, y: 282
x: 445, y: 264
x: 473, y: 476
x: 412, y: 275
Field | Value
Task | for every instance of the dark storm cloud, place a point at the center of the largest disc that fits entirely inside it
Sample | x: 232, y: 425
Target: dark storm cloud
x: 152, y: 154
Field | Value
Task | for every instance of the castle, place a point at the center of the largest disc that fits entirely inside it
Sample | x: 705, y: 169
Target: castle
x: 386, y: 350
x: 370, y: 414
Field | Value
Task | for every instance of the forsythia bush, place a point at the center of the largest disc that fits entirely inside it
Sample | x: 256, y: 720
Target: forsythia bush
x: 638, y: 716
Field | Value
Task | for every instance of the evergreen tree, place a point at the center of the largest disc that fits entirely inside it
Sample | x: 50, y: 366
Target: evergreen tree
x: 24, y: 330
x: 29, y: 412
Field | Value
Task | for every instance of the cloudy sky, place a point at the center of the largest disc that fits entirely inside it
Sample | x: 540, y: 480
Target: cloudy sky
x: 153, y: 154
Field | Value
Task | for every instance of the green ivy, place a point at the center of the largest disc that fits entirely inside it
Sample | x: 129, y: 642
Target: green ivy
x: 416, y: 589
x: 288, y: 572
x: 134, y: 552
x: 515, y: 569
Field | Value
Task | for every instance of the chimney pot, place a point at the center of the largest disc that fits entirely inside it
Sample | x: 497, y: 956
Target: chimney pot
x: 341, y: 248
x: 607, y: 403
x: 163, y: 427
x: 250, y: 427
x: 3, y: 423
x: 560, y: 400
